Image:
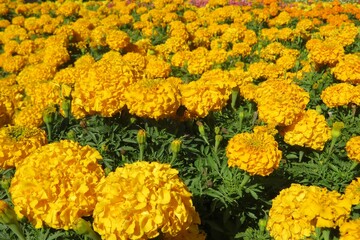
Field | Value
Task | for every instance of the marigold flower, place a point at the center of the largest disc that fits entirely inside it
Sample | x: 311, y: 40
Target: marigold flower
x: 17, y: 142
x: 352, y: 192
x: 257, y: 153
x: 154, y: 98
x: 55, y: 185
x: 337, y: 95
x: 142, y: 199
x: 107, y: 79
x: 280, y: 102
x: 353, y: 148
x: 157, y: 68
x: 350, y: 230
x: 298, y: 210
x: 348, y: 69
x: 210, y: 93
x: 117, y: 39
x: 327, y: 52
x: 308, y: 130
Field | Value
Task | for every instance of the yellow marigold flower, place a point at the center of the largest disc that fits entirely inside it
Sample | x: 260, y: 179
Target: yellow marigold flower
x: 55, y: 185
x: 337, y: 95
x: 55, y: 56
x: 282, y: 19
x: 240, y: 49
x: 356, y: 96
x: 353, y: 148
x: 98, y: 36
x: 345, y: 34
x: 327, y: 52
x: 298, y: 210
x: 272, y: 51
x: 257, y: 69
x: 210, y: 93
x: 117, y: 39
x: 142, y: 200
x: 35, y: 73
x: 156, y: 68
x: 154, y: 98
x: 180, y: 58
x: 17, y: 142
x: 198, y: 62
x: 30, y: 116
x: 239, y: 77
x: 192, y: 233
x: 68, y: 8
x: 280, y: 102
x: 13, y: 64
x: 308, y: 130
x: 248, y: 91
x: 107, y: 79
x: 352, y: 192
x: 350, y: 230
x: 348, y: 69
x: 256, y: 153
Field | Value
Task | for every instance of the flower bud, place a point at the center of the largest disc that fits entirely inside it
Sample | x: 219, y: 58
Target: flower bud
x: 83, y: 227
x: 141, y: 136
x: 175, y: 146
x: 336, y: 129
x: 7, y: 214
x: 66, y: 106
x: 217, y: 130
x: 201, y: 128
x: 49, y: 114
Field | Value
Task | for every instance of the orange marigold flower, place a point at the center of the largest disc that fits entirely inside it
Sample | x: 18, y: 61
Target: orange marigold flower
x: 353, y: 148
x: 117, y: 39
x: 55, y: 185
x: 348, y: 69
x: 327, y: 52
x: 308, y: 130
x: 157, y: 68
x: 280, y: 102
x: 298, y: 210
x: 350, y: 230
x: 154, y: 98
x: 337, y: 95
x: 142, y: 200
x: 17, y: 142
x: 257, y: 153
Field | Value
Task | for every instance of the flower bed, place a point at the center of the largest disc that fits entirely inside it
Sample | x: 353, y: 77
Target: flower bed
x: 179, y: 119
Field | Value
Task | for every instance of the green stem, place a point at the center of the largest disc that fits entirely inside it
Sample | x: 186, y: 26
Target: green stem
x: 173, y: 158
x: 15, y: 227
x: 333, y: 141
x: 142, y: 149
x: 234, y: 95
x: 48, y: 127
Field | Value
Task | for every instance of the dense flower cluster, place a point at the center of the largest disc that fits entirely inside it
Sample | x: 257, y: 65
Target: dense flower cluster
x: 55, y: 185
x: 142, y: 200
x: 353, y: 148
x: 348, y: 69
x: 17, y: 142
x: 298, y: 210
x: 257, y: 153
x: 309, y: 130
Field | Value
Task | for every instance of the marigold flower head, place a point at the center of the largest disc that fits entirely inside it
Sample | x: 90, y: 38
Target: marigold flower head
x: 353, y: 148
x: 30, y: 116
x: 17, y: 142
x: 257, y: 153
x: 117, y: 39
x: 348, y: 69
x: 327, y: 52
x: 280, y: 102
x: 308, y: 130
x: 55, y: 185
x: 350, y: 230
x: 107, y: 79
x: 298, y: 210
x: 157, y: 68
x: 154, y: 98
x: 352, y: 191
x: 142, y: 200
x: 210, y: 93
x: 337, y: 95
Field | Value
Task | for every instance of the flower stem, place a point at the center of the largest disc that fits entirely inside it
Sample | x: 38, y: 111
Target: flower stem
x: 48, y: 127
x: 15, y: 227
